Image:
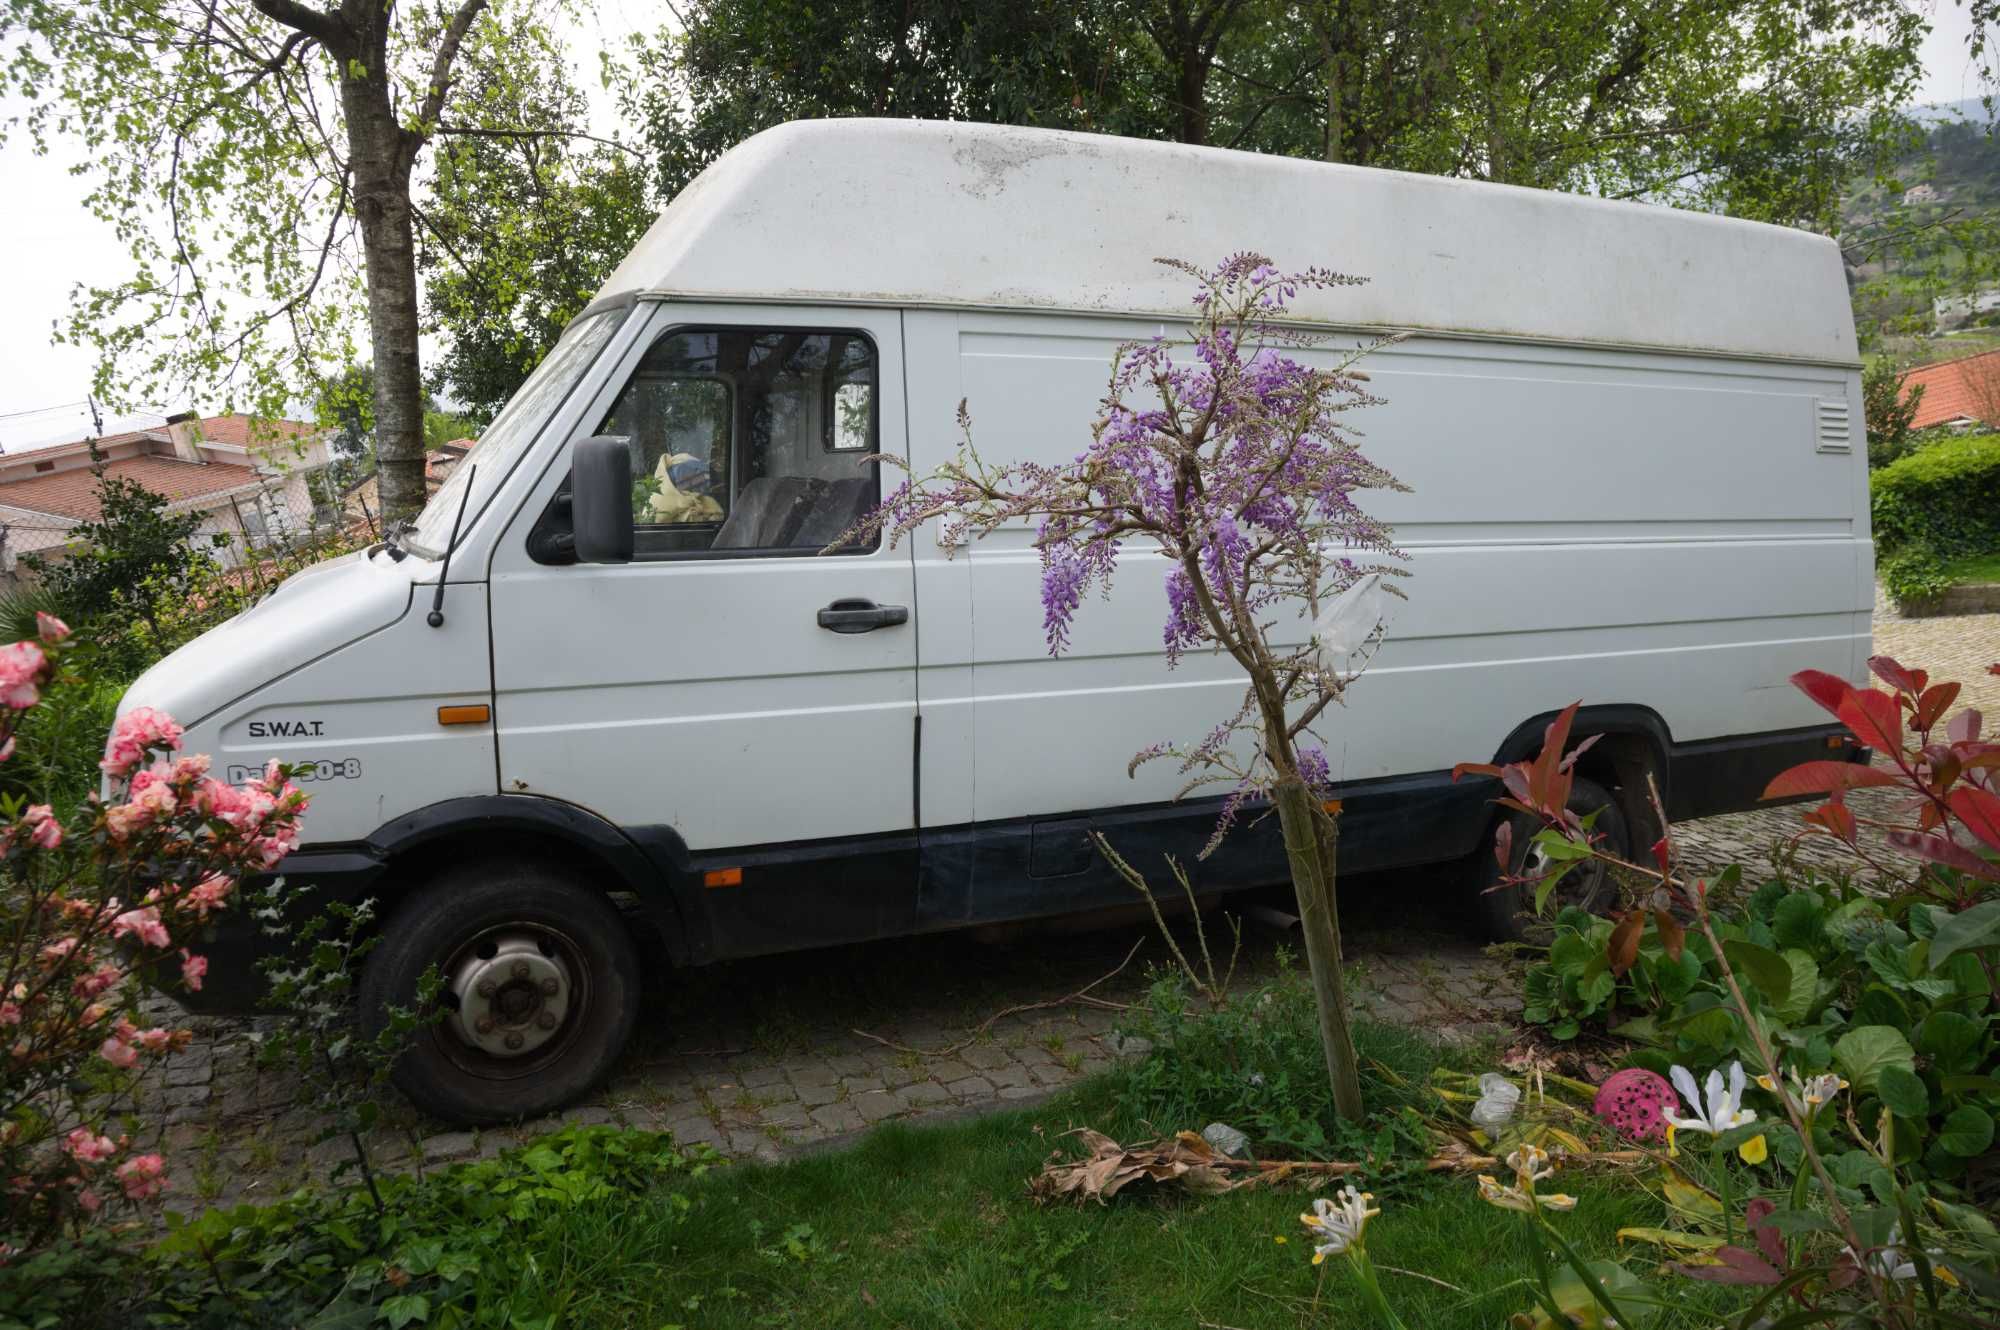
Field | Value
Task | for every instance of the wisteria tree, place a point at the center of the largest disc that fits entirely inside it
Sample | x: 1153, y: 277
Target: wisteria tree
x: 1232, y: 463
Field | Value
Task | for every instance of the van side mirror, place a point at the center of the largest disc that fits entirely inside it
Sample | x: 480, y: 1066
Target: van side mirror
x: 600, y: 485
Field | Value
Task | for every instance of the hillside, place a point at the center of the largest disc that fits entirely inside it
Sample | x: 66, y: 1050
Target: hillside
x: 1940, y: 215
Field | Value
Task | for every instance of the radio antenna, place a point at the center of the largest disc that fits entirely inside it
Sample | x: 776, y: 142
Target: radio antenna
x: 436, y: 617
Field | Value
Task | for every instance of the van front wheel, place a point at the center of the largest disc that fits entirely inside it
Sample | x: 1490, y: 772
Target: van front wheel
x: 540, y: 991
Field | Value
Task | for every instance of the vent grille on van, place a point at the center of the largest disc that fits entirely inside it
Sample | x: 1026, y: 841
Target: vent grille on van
x: 1836, y: 432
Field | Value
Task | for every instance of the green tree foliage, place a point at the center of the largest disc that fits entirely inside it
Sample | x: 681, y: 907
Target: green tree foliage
x: 123, y: 576
x: 258, y: 158
x: 1888, y: 410
x: 520, y: 229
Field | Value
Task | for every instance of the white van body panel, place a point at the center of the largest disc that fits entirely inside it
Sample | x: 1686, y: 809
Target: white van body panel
x: 339, y: 674
x: 1583, y: 524
x: 926, y: 214
x: 700, y: 694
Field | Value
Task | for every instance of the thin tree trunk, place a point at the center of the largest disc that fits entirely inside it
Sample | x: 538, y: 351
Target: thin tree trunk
x: 382, y: 158
x: 1310, y: 842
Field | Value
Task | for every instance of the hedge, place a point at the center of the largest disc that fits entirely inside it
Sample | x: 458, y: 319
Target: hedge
x: 1944, y: 499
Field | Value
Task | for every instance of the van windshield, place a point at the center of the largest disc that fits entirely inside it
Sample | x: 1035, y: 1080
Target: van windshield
x: 508, y: 437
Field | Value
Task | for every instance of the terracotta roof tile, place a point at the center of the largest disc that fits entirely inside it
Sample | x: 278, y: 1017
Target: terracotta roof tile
x: 73, y: 493
x: 1963, y: 389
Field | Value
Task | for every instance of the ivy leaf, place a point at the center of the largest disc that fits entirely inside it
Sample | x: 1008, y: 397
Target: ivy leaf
x: 401, y: 1311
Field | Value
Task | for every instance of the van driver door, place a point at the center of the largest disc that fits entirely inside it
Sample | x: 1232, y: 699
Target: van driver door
x: 740, y: 698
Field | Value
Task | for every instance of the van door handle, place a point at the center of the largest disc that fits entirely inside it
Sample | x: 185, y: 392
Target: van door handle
x: 861, y: 616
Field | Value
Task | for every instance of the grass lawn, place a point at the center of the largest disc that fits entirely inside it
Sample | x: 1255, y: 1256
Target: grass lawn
x: 1976, y: 568
x: 931, y: 1226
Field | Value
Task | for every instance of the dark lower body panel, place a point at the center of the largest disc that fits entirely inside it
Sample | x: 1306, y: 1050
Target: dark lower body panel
x: 789, y: 897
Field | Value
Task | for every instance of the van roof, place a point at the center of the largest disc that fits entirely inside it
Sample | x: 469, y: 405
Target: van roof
x: 931, y: 213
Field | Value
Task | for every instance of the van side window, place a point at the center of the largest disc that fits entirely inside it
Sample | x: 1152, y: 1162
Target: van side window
x: 750, y: 439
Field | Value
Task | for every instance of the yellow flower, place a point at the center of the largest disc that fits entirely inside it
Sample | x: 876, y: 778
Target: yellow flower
x: 1754, y: 1150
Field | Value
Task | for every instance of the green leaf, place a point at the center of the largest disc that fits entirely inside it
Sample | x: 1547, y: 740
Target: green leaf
x: 1967, y: 930
x: 400, y: 1311
x: 1902, y: 1092
x: 1713, y: 1028
x: 1799, y: 920
x: 1765, y: 968
x: 1864, y: 1051
x: 1967, y: 1131
x: 1799, y: 1000
x: 1951, y: 1040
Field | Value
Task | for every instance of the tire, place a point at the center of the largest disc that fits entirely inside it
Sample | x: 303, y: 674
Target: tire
x: 541, y: 991
x: 1507, y: 914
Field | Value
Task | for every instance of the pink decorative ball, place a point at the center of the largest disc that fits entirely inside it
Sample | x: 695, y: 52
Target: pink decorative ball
x: 1633, y: 1100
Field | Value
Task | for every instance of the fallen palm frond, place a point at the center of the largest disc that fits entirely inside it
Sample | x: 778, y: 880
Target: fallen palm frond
x: 1186, y: 1160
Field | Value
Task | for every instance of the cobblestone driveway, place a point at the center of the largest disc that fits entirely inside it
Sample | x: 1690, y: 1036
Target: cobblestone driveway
x: 761, y: 1058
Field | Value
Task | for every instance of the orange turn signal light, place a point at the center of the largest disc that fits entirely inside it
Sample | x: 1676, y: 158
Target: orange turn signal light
x: 722, y: 877
x: 475, y: 715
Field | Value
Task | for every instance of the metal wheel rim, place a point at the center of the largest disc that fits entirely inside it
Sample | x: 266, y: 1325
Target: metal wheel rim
x: 559, y: 949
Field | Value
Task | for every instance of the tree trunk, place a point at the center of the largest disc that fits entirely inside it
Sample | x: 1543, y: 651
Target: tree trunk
x: 381, y: 157
x: 1310, y: 842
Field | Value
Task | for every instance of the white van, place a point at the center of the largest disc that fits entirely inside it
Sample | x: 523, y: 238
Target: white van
x: 1633, y: 437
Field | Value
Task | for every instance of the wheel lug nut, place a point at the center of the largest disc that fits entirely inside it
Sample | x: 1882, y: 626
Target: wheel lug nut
x: 484, y: 988
x: 520, y: 969
x: 549, y: 986
x: 514, y: 1040
x: 484, y: 1025
x: 547, y: 1020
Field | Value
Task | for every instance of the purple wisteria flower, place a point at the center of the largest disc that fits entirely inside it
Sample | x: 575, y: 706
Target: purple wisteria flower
x: 1223, y: 450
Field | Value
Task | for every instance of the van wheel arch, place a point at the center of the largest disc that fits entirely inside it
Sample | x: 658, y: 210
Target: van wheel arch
x: 1633, y: 745
x: 566, y: 840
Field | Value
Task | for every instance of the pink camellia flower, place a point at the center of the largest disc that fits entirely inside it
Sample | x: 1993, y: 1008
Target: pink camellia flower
x: 50, y: 627
x: 42, y: 827
x: 218, y: 799
x: 86, y: 1147
x: 89, y: 1201
x: 121, y: 821
x: 154, y: 1040
x: 208, y: 894
x: 192, y: 767
x: 193, y: 970
x: 10, y: 1013
x: 143, y: 924
x: 137, y: 731
x: 58, y: 950
x: 96, y: 983
x: 142, y: 1176
x: 151, y: 792
x: 21, y: 665
x: 7, y: 749
x: 118, y: 1053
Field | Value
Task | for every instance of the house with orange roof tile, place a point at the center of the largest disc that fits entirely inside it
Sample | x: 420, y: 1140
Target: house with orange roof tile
x: 1959, y: 394
x: 250, y: 478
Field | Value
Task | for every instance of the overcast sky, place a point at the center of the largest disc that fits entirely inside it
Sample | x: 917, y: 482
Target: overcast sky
x: 49, y: 242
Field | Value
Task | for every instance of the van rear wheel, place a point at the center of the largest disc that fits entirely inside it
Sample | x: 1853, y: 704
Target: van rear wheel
x: 541, y: 991
x: 1508, y: 913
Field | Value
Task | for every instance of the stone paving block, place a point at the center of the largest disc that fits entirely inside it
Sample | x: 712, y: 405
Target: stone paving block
x: 589, y: 1115
x: 877, y: 1105
x: 1013, y: 1092
x: 1013, y: 1073
x: 923, y: 1093
x: 862, y: 1084
x: 813, y: 1073
x: 849, y: 1064
x: 449, y: 1145
x: 947, y: 1070
x: 813, y: 1096
x: 972, y: 1087
x: 838, y: 1117
x: 758, y: 1078
x: 986, y: 1057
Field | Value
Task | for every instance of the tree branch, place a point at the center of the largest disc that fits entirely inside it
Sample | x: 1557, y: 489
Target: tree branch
x: 331, y: 32
x: 469, y: 132
x: 447, y: 52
